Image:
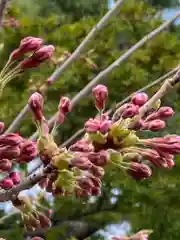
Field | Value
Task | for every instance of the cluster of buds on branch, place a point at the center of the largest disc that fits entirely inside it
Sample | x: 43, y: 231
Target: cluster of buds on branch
x: 108, y: 142
x: 14, y: 150
x: 30, y: 53
x: 34, y: 215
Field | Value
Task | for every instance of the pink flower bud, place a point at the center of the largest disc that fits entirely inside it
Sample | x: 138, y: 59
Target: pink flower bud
x: 92, y: 125
x: 99, y: 159
x: 7, y: 183
x: 139, y: 171
x: 29, y: 63
x: 131, y: 111
x: 154, y: 125
x: 5, y: 165
x: 100, y: 92
x: 43, y: 53
x: 1, y: 127
x: 81, y: 162
x: 65, y: 105
x: 105, y: 126
x: 139, y: 98
x: 36, y: 103
x: 96, y: 181
x: 10, y: 139
x: 165, y: 112
x: 85, y: 183
x: 97, y: 171
x: 95, y: 191
x: 81, y: 146
x: 30, y: 44
x: 154, y: 157
x: 16, y: 177
x: 28, y: 151
x: 170, y: 144
x: 95, y: 125
x: 9, y: 152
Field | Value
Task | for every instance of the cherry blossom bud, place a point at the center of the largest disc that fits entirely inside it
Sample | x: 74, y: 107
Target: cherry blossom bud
x: 28, y: 151
x: 81, y: 162
x: 139, y: 98
x: 97, y: 171
x: 7, y: 183
x: 9, y: 152
x: 100, y: 92
x: 30, y: 44
x: 96, y: 181
x: 36, y: 103
x: 29, y: 63
x: 81, y: 146
x: 92, y: 125
x: 1, y: 127
x: 43, y: 53
x: 165, y: 112
x: 131, y: 111
x: 10, y: 139
x: 85, y: 183
x: 139, y: 171
x: 154, y: 157
x: 16, y: 177
x: 5, y: 165
x: 95, y: 191
x: 105, y: 126
x: 162, y: 113
x: 64, y: 105
x: 95, y: 125
x: 154, y: 125
x: 99, y: 159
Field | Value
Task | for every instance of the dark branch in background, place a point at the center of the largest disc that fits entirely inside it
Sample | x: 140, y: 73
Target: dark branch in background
x: 3, y: 5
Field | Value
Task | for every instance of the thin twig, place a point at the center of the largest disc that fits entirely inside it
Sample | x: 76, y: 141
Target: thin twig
x: 75, y: 55
x: 167, y: 85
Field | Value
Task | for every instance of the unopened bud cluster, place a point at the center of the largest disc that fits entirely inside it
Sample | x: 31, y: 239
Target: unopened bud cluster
x: 30, y: 53
x: 107, y: 142
x: 34, y: 218
x: 14, y: 149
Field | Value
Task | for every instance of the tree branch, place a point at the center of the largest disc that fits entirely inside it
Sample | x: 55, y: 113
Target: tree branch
x: 116, y: 106
x: 29, y: 182
x: 167, y: 85
x: 75, y: 55
x: 86, y: 90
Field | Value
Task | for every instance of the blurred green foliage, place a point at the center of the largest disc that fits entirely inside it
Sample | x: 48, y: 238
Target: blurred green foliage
x: 153, y: 203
